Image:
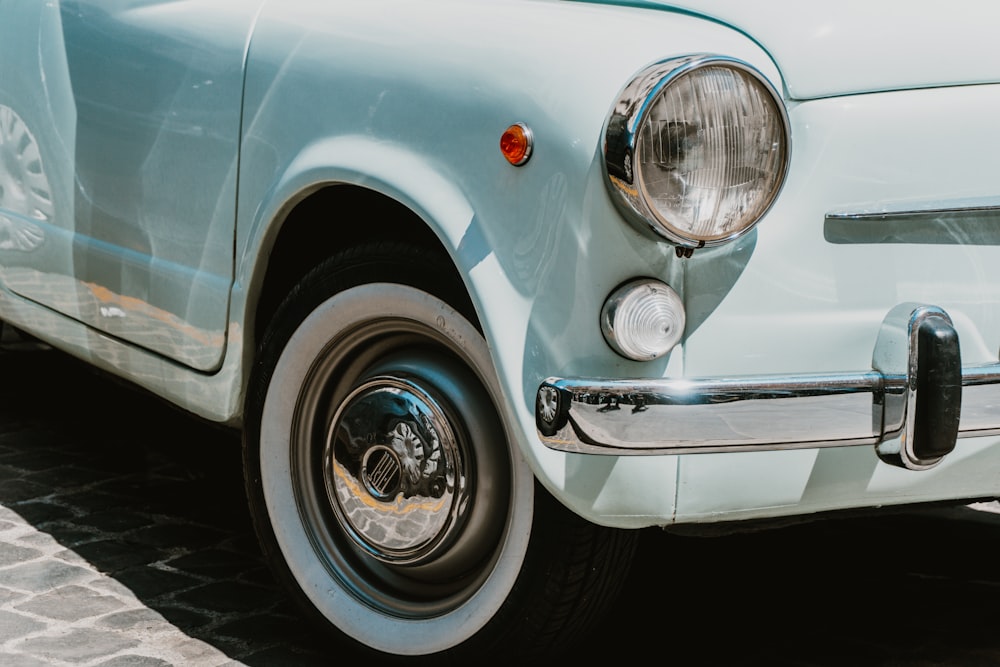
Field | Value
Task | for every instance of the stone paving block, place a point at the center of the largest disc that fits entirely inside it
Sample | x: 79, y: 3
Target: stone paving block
x: 214, y: 562
x: 230, y: 648
x: 77, y: 645
x: 92, y: 501
x: 37, y: 459
x: 115, y: 521
x: 11, y: 660
x: 71, y: 603
x: 134, y: 661
x: 193, y: 652
x: 114, y: 555
x: 184, y: 617
x: 244, y: 542
x: 39, y: 513
x: 71, y: 557
x: 7, y: 596
x: 8, y: 514
x: 39, y: 577
x: 39, y: 540
x: 267, y: 629
x: 229, y: 596
x: 13, y: 490
x: 10, y: 472
x: 284, y: 657
x: 68, y: 535
x: 260, y: 576
x: 16, y: 625
x: 65, y: 477
x: 149, y: 582
x: 110, y: 585
x: 11, y: 554
x: 173, y: 534
x: 144, y: 619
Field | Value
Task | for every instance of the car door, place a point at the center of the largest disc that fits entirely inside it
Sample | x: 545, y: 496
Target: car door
x: 120, y: 121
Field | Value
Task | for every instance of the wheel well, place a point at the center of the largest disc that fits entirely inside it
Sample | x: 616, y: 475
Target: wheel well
x: 332, y: 219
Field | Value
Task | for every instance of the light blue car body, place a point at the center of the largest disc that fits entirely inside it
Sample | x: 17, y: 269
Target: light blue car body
x: 177, y: 140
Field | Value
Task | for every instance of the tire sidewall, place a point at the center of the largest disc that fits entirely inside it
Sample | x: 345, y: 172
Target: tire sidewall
x: 276, y: 493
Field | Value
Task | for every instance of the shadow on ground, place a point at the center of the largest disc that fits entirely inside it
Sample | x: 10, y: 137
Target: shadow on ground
x: 155, y: 501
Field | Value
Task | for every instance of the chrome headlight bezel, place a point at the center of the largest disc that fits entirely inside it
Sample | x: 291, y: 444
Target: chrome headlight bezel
x: 624, y: 126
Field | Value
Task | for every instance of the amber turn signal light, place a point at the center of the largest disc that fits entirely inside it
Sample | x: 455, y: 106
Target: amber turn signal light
x: 515, y: 144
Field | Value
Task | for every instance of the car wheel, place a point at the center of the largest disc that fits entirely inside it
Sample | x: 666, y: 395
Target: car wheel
x: 383, y: 482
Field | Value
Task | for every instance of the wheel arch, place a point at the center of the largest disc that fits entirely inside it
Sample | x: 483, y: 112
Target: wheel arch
x: 286, y: 229
x: 312, y: 213
x: 305, y: 239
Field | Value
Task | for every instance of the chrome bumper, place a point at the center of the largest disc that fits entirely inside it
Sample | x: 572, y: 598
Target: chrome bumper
x: 911, y: 406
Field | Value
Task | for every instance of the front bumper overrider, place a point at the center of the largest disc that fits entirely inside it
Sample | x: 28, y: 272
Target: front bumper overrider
x: 911, y: 406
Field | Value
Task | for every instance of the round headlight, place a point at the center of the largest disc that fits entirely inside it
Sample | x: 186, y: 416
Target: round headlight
x: 696, y: 149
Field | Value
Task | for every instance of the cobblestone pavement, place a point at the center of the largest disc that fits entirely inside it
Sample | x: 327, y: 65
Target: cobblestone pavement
x: 125, y: 541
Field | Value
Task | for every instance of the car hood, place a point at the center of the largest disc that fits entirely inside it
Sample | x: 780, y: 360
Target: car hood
x: 863, y: 46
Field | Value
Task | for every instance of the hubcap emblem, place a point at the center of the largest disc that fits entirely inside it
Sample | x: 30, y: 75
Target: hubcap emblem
x: 381, y: 472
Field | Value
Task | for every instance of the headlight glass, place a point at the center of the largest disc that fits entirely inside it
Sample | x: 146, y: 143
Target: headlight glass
x: 696, y: 149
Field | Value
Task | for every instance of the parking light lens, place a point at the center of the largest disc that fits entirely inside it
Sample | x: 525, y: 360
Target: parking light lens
x: 643, y: 319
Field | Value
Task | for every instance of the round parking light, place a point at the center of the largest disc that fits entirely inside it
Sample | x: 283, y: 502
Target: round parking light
x: 643, y: 319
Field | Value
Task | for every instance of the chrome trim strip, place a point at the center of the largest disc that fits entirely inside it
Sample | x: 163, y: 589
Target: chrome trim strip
x: 980, y: 402
x: 924, y: 207
x: 961, y: 222
x: 685, y: 416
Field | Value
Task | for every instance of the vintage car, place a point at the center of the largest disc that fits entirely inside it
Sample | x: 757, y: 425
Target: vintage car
x: 489, y: 286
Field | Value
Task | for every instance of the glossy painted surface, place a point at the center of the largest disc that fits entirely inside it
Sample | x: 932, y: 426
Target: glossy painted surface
x: 338, y: 95
x: 423, y: 126
x: 137, y: 124
x: 856, y: 46
x: 802, y: 302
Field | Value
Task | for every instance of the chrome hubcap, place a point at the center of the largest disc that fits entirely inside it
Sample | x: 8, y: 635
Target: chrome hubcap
x: 395, y: 471
x: 401, y: 467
